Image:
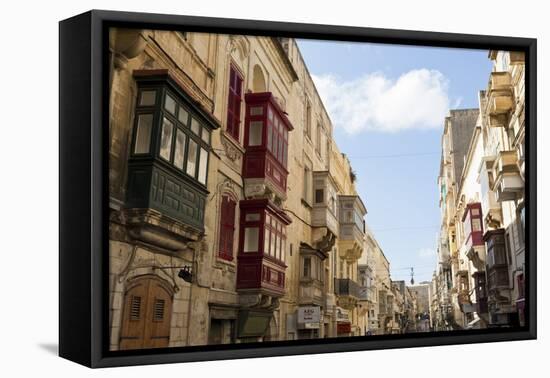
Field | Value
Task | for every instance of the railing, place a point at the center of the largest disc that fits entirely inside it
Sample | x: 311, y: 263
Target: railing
x: 347, y: 287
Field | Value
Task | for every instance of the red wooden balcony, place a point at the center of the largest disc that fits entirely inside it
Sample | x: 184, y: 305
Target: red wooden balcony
x: 266, y: 146
x: 473, y: 225
x: 262, y: 247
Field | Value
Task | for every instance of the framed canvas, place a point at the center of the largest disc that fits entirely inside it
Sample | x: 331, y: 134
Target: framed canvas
x: 236, y: 188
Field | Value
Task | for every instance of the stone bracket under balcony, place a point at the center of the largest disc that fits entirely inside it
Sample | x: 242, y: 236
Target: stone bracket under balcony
x: 350, y: 250
x: 258, y: 301
x: 476, y: 254
x: 153, y: 228
x: 324, y: 239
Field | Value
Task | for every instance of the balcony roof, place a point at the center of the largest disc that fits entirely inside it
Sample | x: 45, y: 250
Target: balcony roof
x: 357, y: 199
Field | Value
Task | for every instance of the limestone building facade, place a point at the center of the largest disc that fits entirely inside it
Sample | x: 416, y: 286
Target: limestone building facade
x: 233, y: 215
x: 481, y: 249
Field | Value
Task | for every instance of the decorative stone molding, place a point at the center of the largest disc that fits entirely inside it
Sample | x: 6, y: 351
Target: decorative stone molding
x: 233, y: 153
x: 238, y: 43
x: 326, y: 243
x: 126, y: 44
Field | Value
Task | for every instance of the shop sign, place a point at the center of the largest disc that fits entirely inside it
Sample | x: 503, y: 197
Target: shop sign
x: 309, y: 314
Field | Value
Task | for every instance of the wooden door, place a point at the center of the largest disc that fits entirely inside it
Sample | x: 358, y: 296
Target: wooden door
x: 146, y: 315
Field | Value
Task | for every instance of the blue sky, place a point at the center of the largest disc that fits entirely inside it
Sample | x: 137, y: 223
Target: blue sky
x: 387, y: 100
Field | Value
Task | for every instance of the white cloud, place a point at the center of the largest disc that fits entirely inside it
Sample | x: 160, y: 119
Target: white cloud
x: 457, y: 103
x: 426, y: 252
x: 418, y: 99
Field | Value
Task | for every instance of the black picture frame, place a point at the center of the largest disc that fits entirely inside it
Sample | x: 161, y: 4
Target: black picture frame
x: 83, y: 196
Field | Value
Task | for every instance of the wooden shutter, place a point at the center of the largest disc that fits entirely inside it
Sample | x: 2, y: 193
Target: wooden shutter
x: 234, y: 103
x: 227, y: 227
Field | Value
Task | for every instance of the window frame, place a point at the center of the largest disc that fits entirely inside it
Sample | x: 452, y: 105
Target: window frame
x: 160, y: 113
x: 233, y: 121
x: 227, y: 227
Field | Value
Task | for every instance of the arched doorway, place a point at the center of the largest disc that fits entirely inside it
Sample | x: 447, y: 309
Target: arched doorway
x: 146, y: 314
x: 258, y: 80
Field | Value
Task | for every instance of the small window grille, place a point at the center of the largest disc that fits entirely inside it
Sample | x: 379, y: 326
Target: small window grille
x: 135, y: 307
x: 158, y: 310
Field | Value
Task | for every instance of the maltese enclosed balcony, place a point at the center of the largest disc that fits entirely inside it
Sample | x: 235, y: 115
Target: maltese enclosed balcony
x: 500, y: 99
x: 324, y: 214
x: 266, y: 147
x: 312, y: 276
x: 168, y: 161
x: 262, y: 248
x: 474, y: 247
x: 508, y: 183
x: 352, y: 226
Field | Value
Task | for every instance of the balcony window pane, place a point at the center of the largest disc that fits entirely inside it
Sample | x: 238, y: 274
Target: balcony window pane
x: 195, y: 126
x: 170, y: 104
x: 251, y: 239
x: 266, y: 241
x: 270, y: 114
x: 280, y: 149
x: 192, y: 158
x: 147, y: 98
x: 307, y: 267
x: 256, y: 110
x: 205, y: 135
x: 255, y: 133
x: 272, y: 248
x: 252, y: 217
x: 279, y: 247
x: 203, y: 164
x: 476, y: 224
x: 319, y: 196
x: 166, y: 139
x: 275, y: 143
x: 143, y: 133
x: 183, y: 115
x: 269, y: 137
x: 179, y: 151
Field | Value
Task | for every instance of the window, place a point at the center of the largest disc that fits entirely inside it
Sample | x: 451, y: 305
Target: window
x: 166, y: 139
x: 251, y: 235
x: 182, y: 136
x: 179, y: 151
x: 203, y: 163
x: 274, y: 238
x: 307, y: 267
x: 234, y: 103
x: 143, y: 133
x: 308, y: 178
x: 319, y: 196
x: 170, y: 104
x: 318, y: 139
x: 307, y: 125
x: 147, y: 98
x: 227, y: 228
x: 277, y: 136
x: 192, y: 158
x: 255, y: 133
